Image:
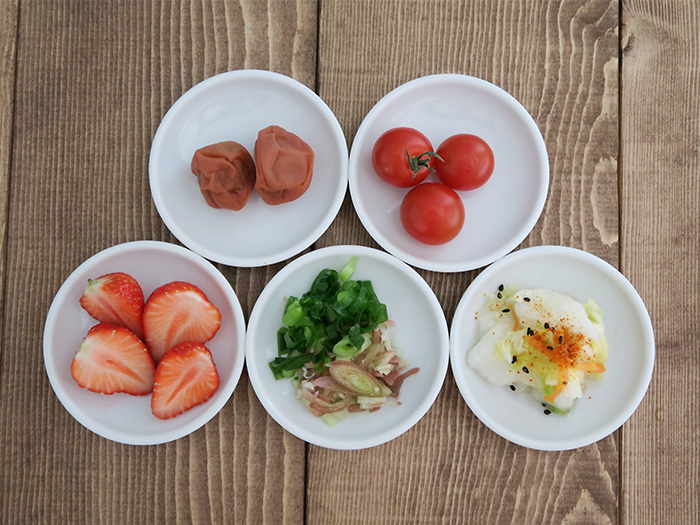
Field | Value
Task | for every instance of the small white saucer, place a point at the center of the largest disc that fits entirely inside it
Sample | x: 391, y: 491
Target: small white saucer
x: 236, y: 106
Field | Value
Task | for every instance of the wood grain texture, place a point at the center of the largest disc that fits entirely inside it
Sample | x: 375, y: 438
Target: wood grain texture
x: 560, y: 60
x: 8, y: 37
x: 94, y: 80
x: 660, y: 245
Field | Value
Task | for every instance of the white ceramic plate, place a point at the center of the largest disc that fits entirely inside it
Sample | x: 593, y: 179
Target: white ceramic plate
x: 122, y: 417
x: 631, y: 350
x: 236, y: 106
x: 500, y: 214
x: 421, y: 332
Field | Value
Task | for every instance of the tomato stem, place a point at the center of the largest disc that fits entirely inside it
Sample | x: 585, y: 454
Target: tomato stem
x: 418, y: 162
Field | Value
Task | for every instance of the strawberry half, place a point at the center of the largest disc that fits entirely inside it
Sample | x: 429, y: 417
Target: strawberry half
x: 115, y: 298
x: 178, y: 312
x: 185, y: 377
x: 112, y: 359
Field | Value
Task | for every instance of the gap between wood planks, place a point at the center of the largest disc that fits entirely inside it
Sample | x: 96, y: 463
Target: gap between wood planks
x: 10, y: 126
x: 305, y: 501
x: 619, y: 227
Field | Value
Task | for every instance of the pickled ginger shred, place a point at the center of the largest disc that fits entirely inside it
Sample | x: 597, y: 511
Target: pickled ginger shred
x: 541, y: 342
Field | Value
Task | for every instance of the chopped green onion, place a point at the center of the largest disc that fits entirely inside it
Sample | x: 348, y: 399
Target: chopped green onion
x: 344, y: 348
x: 348, y: 270
x: 347, y: 347
x: 294, y: 313
x: 334, y: 318
x: 325, y: 285
x: 286, y: 366
x: 355, y: 336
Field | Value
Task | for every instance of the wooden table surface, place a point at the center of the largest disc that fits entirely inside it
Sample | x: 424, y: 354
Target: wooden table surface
x: 615, y: 90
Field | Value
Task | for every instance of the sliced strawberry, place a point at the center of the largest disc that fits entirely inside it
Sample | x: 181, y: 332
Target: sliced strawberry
x: 185, y: 377
x: 115, y: 298
x: 178, y: 312
x: 112, y: 359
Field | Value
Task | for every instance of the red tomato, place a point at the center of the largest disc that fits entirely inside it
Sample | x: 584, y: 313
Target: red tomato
x: 432, y: 213
x: 403, y: 157
x: 467, y: 162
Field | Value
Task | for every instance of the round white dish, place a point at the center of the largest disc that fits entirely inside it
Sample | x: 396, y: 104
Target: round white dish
x: 236, y: 106
x: 606, y: 403
x: 122, y: 417
x: 500, y: 214
x: 421, y: 332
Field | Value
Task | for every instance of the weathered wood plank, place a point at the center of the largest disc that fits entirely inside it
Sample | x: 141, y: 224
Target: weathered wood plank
x: 660, y: 222
x: 8, y: 38
x: 560, y: 60
x: 94, y: 79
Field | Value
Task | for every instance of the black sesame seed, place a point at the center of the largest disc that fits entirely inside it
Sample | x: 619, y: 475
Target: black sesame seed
x: 547, y: 412
x: 550, y: 348
x: 499, y: 295
x: 512, y: 387
x: 526, y: 299
x: 544, y: 405
x: 500, y: 288
x: 526, y: 370
x: 561, y: 339
x: 530, y: 331
x: 546, y: 325
x: 515, y: 360
x: 505, y: 310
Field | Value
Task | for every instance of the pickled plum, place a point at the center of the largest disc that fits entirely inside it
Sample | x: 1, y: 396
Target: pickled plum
x: 226, y: 174
x: 284, y: 165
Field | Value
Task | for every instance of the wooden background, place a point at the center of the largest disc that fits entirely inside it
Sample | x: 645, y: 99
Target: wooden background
x: 615, y: 89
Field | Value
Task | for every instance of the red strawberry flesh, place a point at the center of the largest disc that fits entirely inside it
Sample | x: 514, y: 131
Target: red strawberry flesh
x: 115, y: 298
x: 112, y: 359
x: 177, y: 312
x: 186, y: 377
